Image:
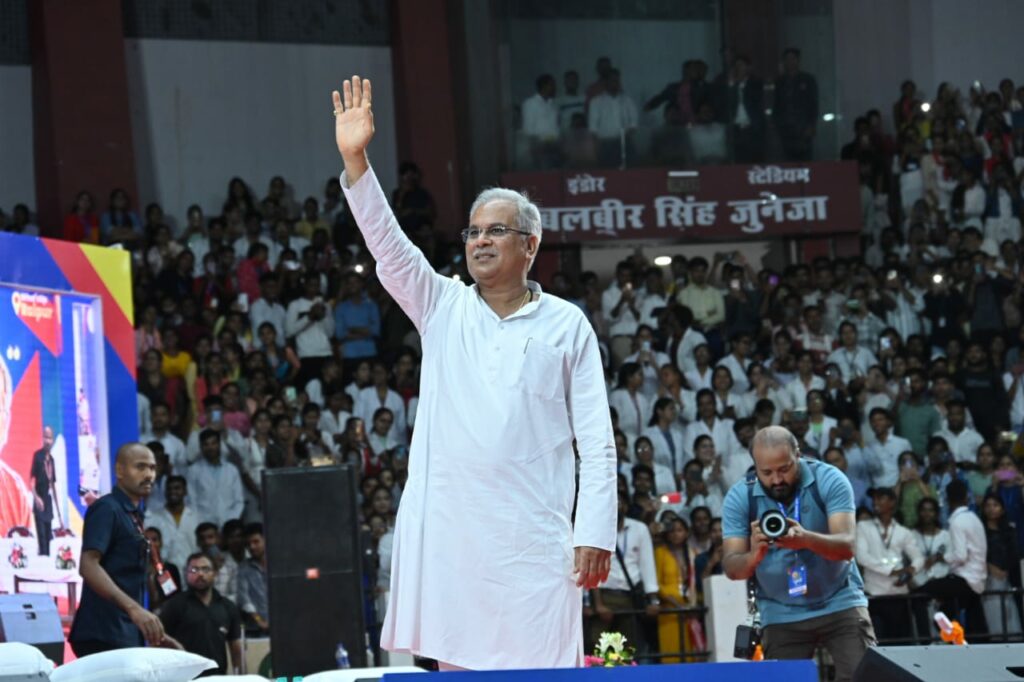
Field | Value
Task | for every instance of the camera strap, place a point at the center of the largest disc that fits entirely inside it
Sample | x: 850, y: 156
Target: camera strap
x: 753, y: 615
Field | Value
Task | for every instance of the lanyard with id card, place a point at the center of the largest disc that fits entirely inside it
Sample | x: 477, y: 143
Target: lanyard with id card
x: 796, y: 572
x: 163, y: 577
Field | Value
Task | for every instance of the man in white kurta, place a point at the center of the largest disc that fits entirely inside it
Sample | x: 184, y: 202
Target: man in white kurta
x: 483, y: 558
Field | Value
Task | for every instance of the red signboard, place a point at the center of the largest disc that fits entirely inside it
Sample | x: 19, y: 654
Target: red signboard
x: 712, y: 202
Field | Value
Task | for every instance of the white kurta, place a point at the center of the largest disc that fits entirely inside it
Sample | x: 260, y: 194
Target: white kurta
x: 482, y: 570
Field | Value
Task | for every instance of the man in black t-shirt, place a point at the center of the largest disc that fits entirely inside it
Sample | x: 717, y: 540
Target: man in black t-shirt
x: 202, y: 620
x: 43, y: 481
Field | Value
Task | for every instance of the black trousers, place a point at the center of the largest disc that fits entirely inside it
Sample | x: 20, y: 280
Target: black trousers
x: 92, y: 646
x: 954, y: 594
x: 891, y: 619
x: 43, y: 531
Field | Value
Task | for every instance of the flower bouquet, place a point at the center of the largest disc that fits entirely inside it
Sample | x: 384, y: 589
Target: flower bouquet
x: 610, y: 652
x: 65, y: 558
x: 18, y: 558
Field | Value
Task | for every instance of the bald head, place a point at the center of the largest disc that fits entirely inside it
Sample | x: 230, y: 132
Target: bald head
x: 776, y: 454
x: 136, y: 470
x: 773, y: 437
x: 127, y: 452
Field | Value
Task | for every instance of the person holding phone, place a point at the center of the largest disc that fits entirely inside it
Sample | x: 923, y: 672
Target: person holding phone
x: 620, y: 305
x: 310, y: 326
x: 882, y: 544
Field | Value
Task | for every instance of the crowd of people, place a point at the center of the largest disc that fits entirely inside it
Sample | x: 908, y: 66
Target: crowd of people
x: 727, y: 118
x: 264, y: 340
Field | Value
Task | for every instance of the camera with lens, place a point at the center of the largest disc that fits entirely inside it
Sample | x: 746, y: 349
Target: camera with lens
x: 774, y: 524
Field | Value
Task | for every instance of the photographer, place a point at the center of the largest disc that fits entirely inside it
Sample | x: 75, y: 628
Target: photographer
x: 808, y: 589
x: 890, y: 556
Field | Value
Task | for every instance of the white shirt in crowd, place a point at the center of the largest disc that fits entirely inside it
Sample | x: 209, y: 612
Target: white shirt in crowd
x: 178, y: 537
x: 569, y: 105
x: 738, y: 369
x: 145, y: 413
x: 380, y: 444
x: 333, y: 424
x: 968, y: 548
x: 312, y: 339
x: 173, y: 446
x: 625, y: 323
x: 686, y: 403
x: 540, y: 117
x: 974, y: 205
x: 883, y: 459
x: 634, y: 411
x: 216, y: 490
x: 637, y: 550
x: 233, y: 440
x: 708, y: 142
x: 794, y: 394
x: 651, y: 303
x: 611, y: 114
x: 905, y: 317
x: 650, y: 370
x: 1016, y: 401
x: 263, y: 311
x: 697, y: 379
x: 832, y: 304
x: 963, y: 445
x: 853, y: 364
x: 931, y: 545
x: 684, y: 354
x: 819, y: 436
x: 668, y: 450
x: 721, y: 432
x: 664, y: 481
x: 368, y: 402
x: 880, y: 550
x: 254, y: 460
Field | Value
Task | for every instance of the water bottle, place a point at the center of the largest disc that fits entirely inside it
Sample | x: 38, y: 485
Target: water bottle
x: 341, y: 656
x: 370, y: 660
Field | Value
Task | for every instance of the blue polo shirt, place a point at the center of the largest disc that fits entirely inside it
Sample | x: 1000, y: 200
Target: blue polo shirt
x: 111, y: 531
x: 832, y: 586
x: 363, y: 314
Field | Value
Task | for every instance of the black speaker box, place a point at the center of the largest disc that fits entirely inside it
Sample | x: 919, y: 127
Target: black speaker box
x: 314, y: 568
x: 32, y: 619
x: 942, y: 663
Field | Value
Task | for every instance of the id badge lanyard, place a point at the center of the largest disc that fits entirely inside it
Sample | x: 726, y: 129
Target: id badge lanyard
x: 163, y: 578
x: 796, y: 572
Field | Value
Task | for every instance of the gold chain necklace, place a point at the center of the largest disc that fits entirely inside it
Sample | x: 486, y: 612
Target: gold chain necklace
x: 526, y: 299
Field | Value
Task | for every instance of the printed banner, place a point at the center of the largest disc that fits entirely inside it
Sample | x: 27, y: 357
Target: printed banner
x: 710, y: 203
x: 67, y: 401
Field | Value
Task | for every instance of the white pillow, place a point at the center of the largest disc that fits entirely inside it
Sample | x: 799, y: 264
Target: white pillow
x: 359, y: 674
x: 134, y: 665
x: 23, y: 659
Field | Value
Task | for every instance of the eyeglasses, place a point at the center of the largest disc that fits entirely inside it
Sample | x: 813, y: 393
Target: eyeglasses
x: 471, y: 234
x: 195, y: 570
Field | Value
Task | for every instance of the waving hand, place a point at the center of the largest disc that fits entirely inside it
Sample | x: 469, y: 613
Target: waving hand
x: 353, y: 124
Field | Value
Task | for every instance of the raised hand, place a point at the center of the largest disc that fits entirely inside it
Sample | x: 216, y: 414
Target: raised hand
x: 353, y: 120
